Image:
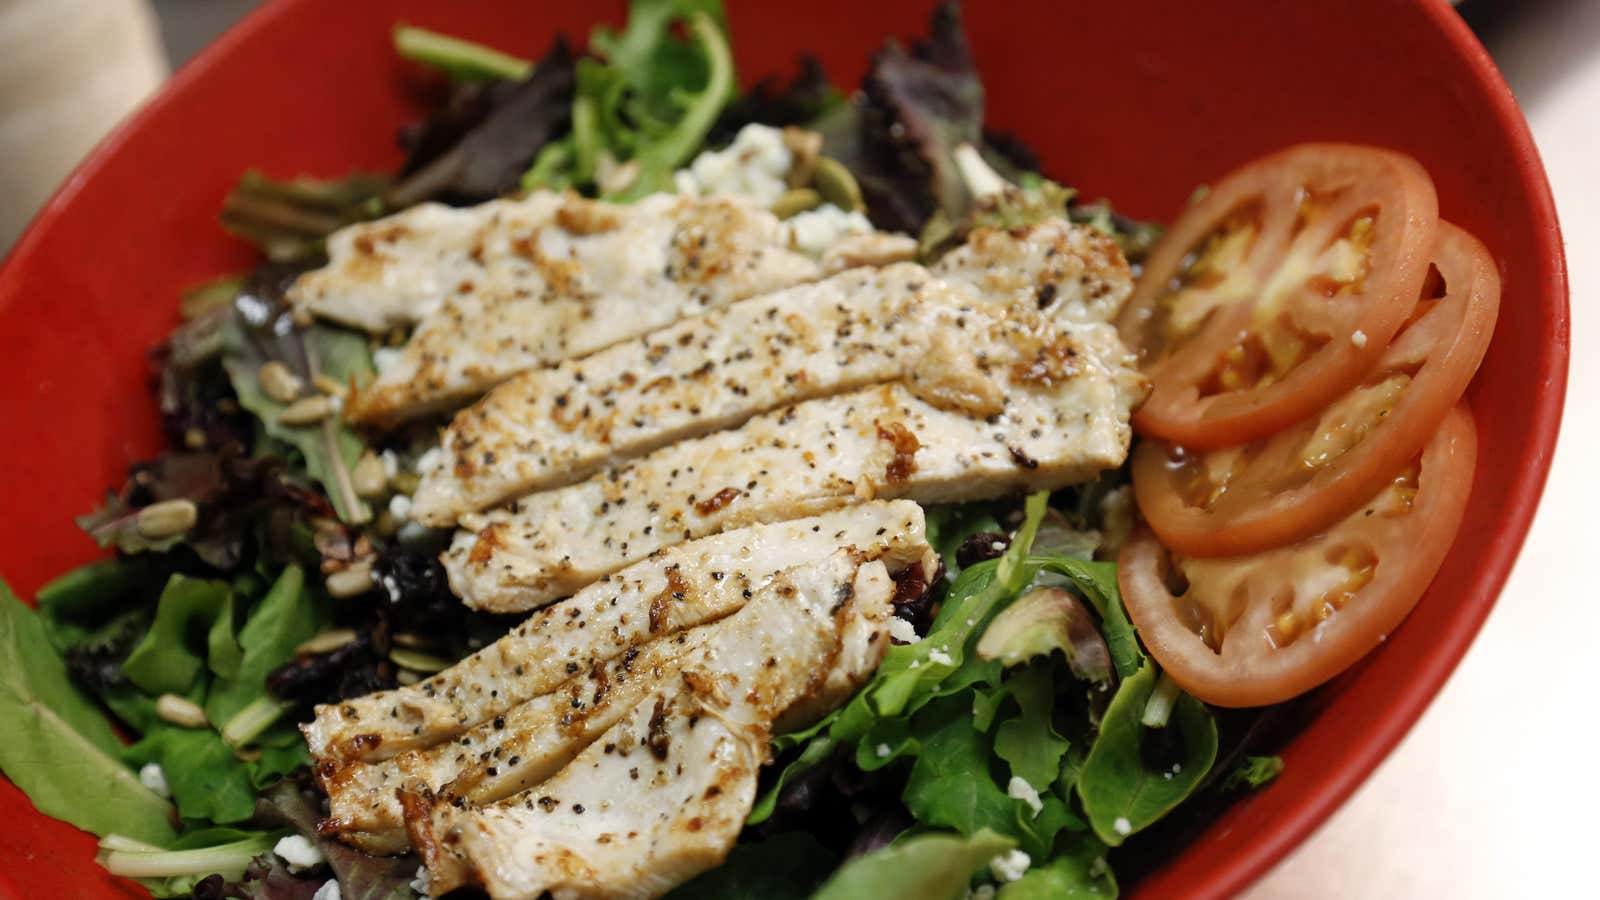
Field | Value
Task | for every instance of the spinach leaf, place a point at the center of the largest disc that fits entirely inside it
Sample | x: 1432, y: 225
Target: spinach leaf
x: 58, y: 747
x: 1134, y: 775
x: 786, y: 866
x: 284, y: 619
x: 925, y: 867
x: 1078, y: 870
x: 174, y: 650
x: 206, y: 780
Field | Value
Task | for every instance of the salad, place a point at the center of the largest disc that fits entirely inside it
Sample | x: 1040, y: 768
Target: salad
x: 655, y: 488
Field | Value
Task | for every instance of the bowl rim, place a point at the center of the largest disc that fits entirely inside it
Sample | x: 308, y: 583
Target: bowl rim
x: 1409, y: 700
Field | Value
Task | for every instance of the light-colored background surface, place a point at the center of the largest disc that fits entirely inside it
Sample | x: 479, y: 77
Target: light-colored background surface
x: 1495, y: 793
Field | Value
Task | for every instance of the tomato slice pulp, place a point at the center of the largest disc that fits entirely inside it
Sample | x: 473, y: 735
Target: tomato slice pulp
x: 1259, y: 629
x: 1273, y: 293
x: 1297, y: 482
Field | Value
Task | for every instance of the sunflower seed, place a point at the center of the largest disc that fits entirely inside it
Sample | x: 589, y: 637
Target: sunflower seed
x: 277, y: 382
x: 166, y: 519
x: 306, y: 411
x: 329, y: 385
x: 417, y: 662
x: 406, y: 677
x: 179, y: 711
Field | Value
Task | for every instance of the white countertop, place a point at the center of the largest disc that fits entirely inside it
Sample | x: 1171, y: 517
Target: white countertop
x: 1494, y: 793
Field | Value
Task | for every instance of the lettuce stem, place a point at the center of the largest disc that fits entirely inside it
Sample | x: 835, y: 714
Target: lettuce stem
x: 228, y: 860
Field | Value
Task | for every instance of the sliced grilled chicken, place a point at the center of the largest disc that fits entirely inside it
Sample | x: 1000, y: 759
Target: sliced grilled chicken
x: 675, y: 589
x: 867, y: 326
x: 1072, y: 272
x: 663, y: 794
x: 526, y: 745
x: 513, y: 284
x: 1067, y: 399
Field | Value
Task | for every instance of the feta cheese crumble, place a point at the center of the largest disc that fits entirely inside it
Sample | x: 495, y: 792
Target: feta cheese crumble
x: 981, y: 892
x: 400, y: 506
x: 328, y: 891
x: 755, y: 165
x: 1020, y: 789
x: 939, y: 657
x: 153, y: 777
x: 299, y: 853
x: 816, y: 230
x: 1358, y: 337
x: 1122, y: 826
x: 1010, y: 866
x: 883, y: 751
x: 903, y: 631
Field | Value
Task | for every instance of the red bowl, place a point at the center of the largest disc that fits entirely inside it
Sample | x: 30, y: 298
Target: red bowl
x: 1135, y: 102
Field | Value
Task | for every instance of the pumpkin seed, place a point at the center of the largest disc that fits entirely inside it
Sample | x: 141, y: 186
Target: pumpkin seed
x: 351, y: 581
x: 278, y: 383
x: 306, y: 411
x: 796, y: 201
x: 179, y: 711
x: 329, y: 640
x: 836, y: 185
x: 368, y: 477
x: 417, y: 662
x: 169, y: 518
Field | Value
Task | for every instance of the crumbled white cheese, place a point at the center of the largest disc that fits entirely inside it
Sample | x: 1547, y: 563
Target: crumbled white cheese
x: 1010, y: 866
x: 883, y: 751
x: 430, y: 461
x: 939, y: 657
x: 420, y: 883
x: 816, y: 230
x: 386, y: 359
x: 335, y: 403
x: 903, y: 631
x: 755, y: 165
x: 1358, y: 337
x: 1122, y: 826
x: 981, y: 892
x: 400, y: 506
x: 328, y: 891
x: 391, y: 463
x: 1020, y: 789
x: 152, y: 777
x: 298, y: 852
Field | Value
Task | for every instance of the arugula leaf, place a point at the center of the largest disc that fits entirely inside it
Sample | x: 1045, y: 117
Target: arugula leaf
x: 283, y: 620
x: 58, y: 747
x: 459, y: 59
x: 174, y: 650
x: 262, y: 330
x: 1124, y: 786
x: 1028, y: 742
x: 786, y: 866
x: 206, y: 780
x: 925, y: 867
x: 1254, y: 772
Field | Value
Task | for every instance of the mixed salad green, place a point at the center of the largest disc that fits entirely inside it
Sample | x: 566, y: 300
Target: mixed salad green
x: 1014, y: 748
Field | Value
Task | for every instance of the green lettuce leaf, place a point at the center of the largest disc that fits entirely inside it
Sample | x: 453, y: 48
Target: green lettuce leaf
x: 192, y: 615
x: 285, y: 618
x: 58, y: 747
x: 925, y: 867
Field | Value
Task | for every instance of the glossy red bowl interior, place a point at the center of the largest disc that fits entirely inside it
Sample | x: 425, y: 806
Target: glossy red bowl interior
x: 1135, y: 102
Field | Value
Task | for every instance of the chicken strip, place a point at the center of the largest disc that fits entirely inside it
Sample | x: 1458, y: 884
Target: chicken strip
x: 554, y: 426
x: 678, y: 588
x: 1073, y: 273
x: 663, y: 795
x: 526, y: 745
x: 514, y: 284
x: 1064, y: 420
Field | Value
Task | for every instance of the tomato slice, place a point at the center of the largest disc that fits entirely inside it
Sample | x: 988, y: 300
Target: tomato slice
x: 1253, y: 630
x: 1271, y: 295
x: 1301, y: 480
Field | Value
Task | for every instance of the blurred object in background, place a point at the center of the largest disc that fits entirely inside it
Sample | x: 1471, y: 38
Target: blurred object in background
x: 69, y: 71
